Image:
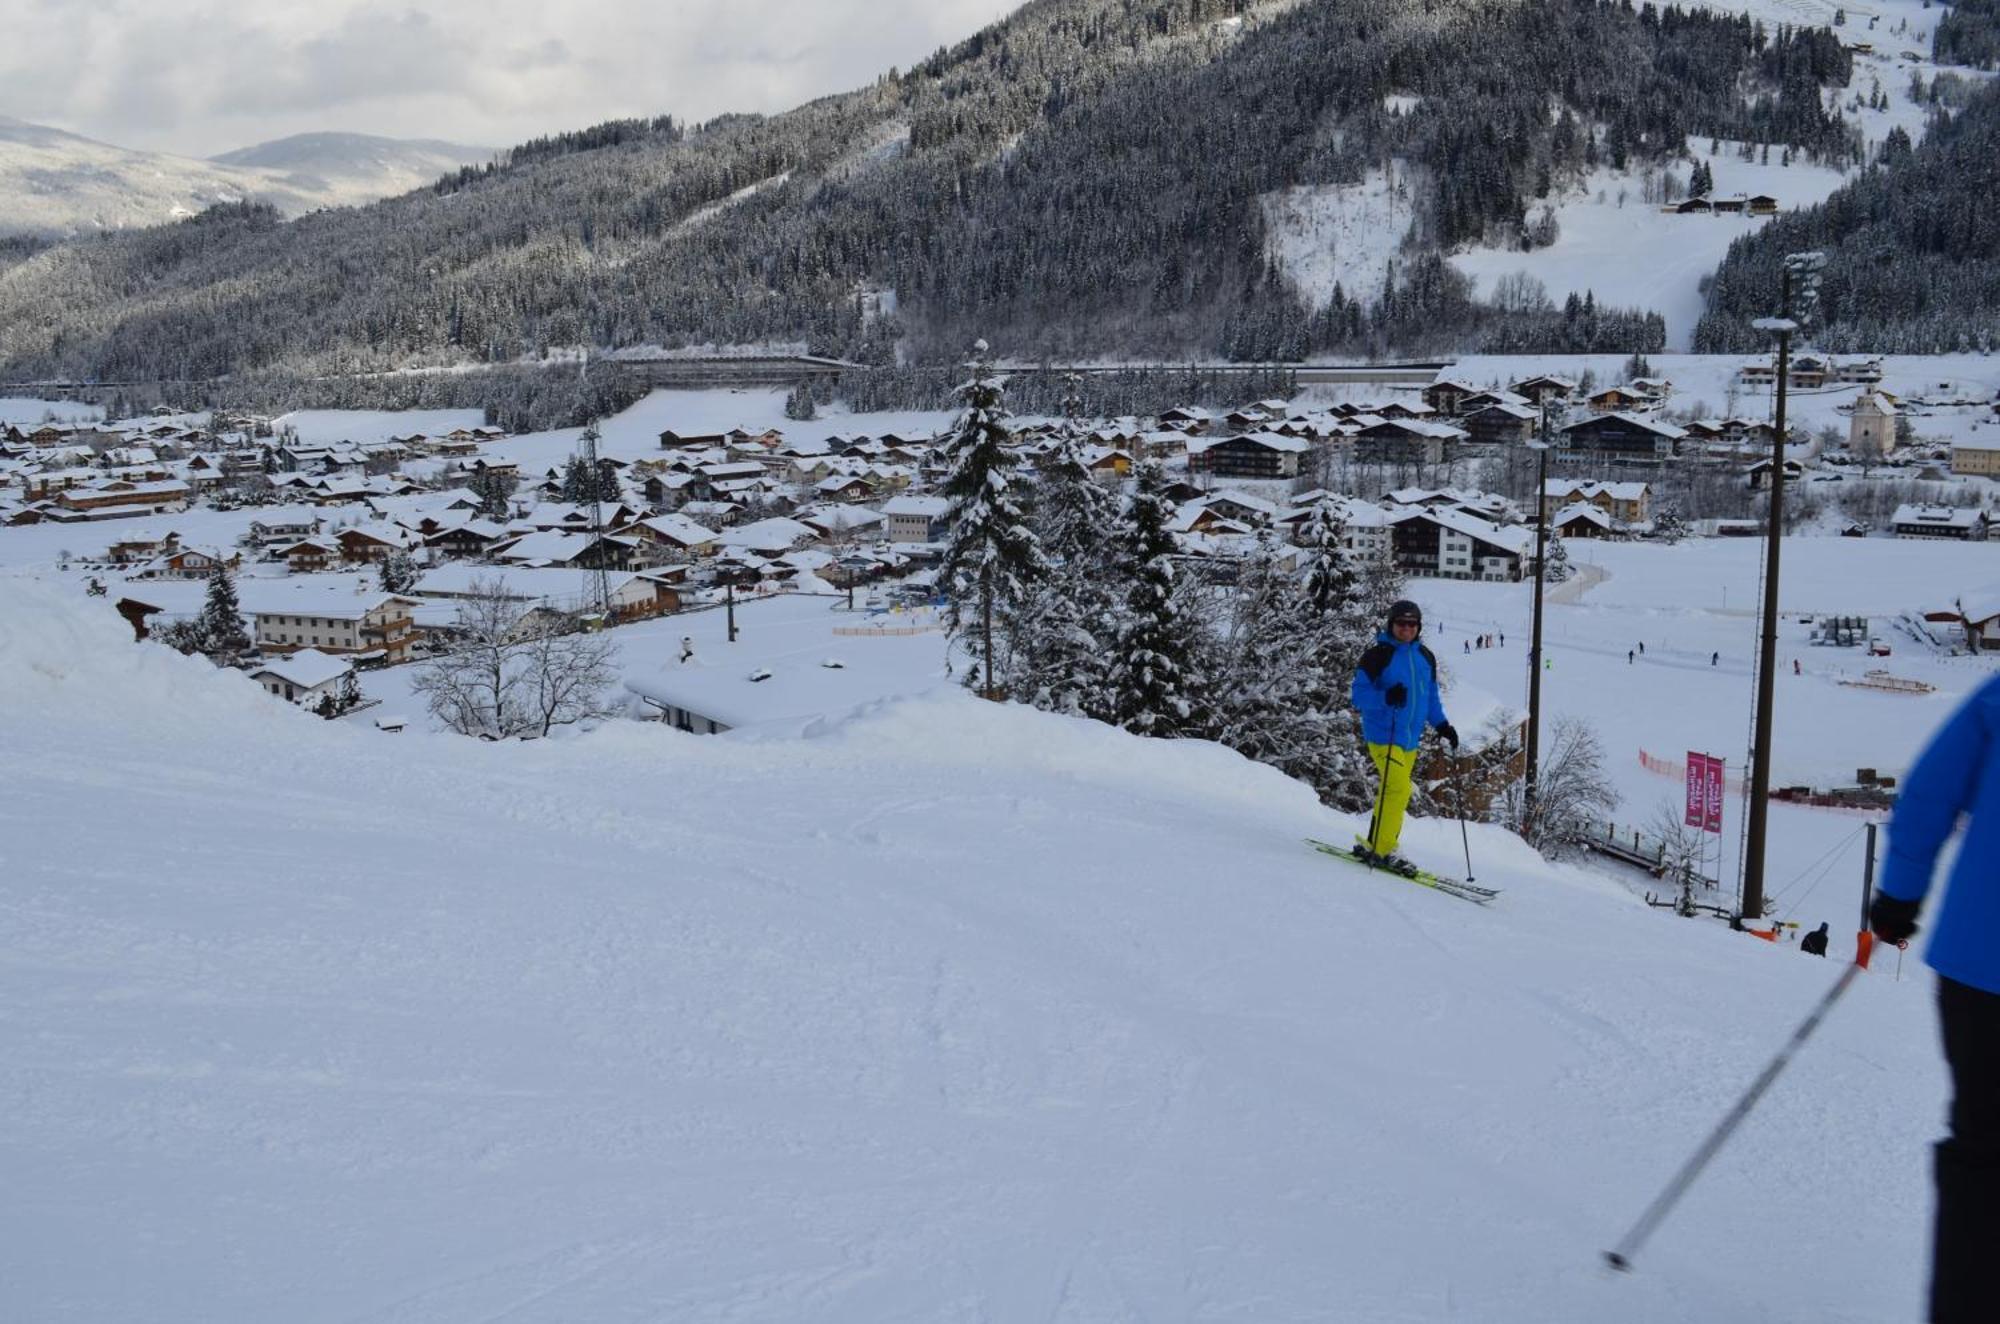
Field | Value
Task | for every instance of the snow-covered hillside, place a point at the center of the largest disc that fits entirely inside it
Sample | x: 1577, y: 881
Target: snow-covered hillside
x: 952, y: 1011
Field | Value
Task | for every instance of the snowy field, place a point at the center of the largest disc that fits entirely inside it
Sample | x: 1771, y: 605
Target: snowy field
x: 1698, y: 601
x: 953, y: 1011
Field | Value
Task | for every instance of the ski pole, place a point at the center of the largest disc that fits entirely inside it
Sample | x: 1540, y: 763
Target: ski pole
x: 1458, y: 783
x: 1620, y: 1258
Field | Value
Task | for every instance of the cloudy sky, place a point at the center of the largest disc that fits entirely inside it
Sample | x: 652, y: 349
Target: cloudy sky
x: 199, y: 77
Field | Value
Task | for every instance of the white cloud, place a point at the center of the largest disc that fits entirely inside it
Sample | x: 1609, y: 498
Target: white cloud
x: 204, y: 76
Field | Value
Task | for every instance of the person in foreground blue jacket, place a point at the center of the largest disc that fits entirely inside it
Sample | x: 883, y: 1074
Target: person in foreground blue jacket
x: 1395, y: 690
x: 1958, y: 774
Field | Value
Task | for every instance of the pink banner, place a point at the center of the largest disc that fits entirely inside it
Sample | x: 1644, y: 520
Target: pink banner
x: 1697, y: 796
x: 1711, y: 794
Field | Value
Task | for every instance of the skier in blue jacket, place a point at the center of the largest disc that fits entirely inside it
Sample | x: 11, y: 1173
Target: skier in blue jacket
x: 1958, y: 773
x: 1395, y: 690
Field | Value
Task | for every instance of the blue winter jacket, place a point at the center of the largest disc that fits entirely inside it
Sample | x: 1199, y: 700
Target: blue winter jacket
x: 1390, y: 663
x: 1959, y: 772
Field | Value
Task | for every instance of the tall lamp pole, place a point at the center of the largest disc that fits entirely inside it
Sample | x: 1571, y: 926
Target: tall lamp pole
x: 1530, y: 785
x: 1801, y: 270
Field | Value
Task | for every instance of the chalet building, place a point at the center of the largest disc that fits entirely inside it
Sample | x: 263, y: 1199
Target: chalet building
x: 1406, y: 441
x: 132, y: 551
x: 1447, y: 395
x: 1619, y: 438
x: 1248, y: 455
x: 1448, y: 544
x: 474, y: 538
x: 1927, y: 521
x: 1188, y: 420
x: 1538, y: 391
x: 916, y: 518
x: 304, y: 677
x: 1618, y: 399
x: 121, y: 497
x: 187, y: 563
x: 1107, y: 464
x: 1499, y: 424
x: 1481, y: 399
x: 373, y: 627
x: 369, y: 546
x: 309, y: 555
x: 1580, y: 519
x: 676, y: 534
x: 1980, y: 615
x: 844, y: 487
x: 1624, y: 502
x: 285, y: 525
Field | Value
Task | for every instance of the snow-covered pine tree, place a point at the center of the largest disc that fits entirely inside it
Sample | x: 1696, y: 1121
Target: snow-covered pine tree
x: 223, y: 632
x: 1559, y: 566
x: 398, y: 571
x: 1155, y: 687
x: 799, y: 404
x: 1057, y: 646
x: 991, y: 554
x: 1668, y: 524
x: 495, y: 491
x: 1270, y: 699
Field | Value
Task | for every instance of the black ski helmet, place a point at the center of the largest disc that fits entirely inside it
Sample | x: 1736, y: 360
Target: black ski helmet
x: 1406, y: 610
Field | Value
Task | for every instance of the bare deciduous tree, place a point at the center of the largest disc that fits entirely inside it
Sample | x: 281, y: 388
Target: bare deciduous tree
x: 512, y: 670
x: 1573, y: 791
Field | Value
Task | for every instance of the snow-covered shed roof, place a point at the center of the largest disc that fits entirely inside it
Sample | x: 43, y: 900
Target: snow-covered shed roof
x: 309, y: 668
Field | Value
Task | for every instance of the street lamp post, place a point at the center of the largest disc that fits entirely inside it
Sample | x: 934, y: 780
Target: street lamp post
x: 1801, y: 271
x: 1530, y: 783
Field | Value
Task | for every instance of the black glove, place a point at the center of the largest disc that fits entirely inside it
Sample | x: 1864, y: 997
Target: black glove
x: 1395, y: 696
x: 1892, y: 918
x: 1449, y: 732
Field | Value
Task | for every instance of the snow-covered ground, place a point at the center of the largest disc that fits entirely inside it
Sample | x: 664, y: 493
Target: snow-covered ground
x: 952, y: 1011
x: 1631, y: 254
x: 1342, y: 234
x: 1698, y: 601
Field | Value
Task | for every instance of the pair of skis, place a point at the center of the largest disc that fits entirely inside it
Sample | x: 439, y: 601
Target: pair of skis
x: 1457, y: 887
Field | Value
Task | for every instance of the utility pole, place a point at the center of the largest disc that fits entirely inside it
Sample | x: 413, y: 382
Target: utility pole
x: 729, y: 603
x: 600, y: 583
x: 1802, y: 269
x: 1530, y: 787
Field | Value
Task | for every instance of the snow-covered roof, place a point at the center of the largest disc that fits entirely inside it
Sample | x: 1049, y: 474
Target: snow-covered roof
x: 309, y: 668
x: 680, y: 528
x: 1276, y: 441
x: 1943, y: 517
x: 778, y: 534
x: 927, y: 507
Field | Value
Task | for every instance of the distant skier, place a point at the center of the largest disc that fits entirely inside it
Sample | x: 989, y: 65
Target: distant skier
x: 1642, y: 648
x: 1958, y: 774
x: 1628, y: 657
x: 1468, y: 645
x: 1714, y: 658
x: 1395, y: 690
x: 1814, y: 943
x: 1795, y: 666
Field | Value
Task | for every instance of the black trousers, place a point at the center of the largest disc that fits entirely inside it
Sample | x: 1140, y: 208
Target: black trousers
x: 1965, y: 1249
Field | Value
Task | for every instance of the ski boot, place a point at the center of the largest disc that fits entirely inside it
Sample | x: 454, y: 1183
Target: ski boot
x: 1392, y: 862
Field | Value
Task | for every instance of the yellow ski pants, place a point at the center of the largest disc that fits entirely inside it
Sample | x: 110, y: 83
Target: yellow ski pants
x: 1385, y: 825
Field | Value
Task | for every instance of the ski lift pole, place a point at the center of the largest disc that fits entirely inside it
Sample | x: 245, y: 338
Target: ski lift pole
x: 1620, y: 1257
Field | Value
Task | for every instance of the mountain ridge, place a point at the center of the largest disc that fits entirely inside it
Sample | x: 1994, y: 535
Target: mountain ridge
x: 58, y: 184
